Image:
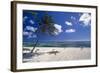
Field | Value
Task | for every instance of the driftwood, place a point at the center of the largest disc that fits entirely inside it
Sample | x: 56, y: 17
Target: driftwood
x: 53, y: 52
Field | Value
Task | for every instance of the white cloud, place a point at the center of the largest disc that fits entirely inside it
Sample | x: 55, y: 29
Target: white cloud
x: 25, y: 33
x: 59, y: 29
x: 56, y: 32
x: 32, y: 36
x: 68, y: 23
x: 73, y: 18
x: 31, y: 21
x: 85, y: 18
x: 33, y: 29
x: 70, y: 30
x: 25, y: 17
x: 29, y: 34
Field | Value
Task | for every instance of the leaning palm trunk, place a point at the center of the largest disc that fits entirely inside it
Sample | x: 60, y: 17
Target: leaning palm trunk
x: 35, y: 43
x: 34, y: 46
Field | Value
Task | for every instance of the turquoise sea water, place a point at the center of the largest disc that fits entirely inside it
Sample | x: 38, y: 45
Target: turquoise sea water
x: 59, y: 44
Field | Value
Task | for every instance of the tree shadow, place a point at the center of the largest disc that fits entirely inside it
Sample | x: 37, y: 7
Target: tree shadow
x: 30, y: 55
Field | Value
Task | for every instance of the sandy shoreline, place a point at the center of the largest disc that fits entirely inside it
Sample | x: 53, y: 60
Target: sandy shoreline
x: 57, y: 54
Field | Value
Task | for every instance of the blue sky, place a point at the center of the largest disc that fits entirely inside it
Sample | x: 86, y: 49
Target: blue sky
x: 72, y: 26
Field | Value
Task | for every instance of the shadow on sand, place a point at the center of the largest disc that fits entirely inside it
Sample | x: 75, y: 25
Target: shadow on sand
x: 36, y: 54
x: 30, y: 55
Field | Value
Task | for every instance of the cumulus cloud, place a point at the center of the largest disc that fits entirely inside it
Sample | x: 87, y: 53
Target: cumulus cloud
x: 25, y: 17
x: 73, y: 18
x: 85, y: 18
x: 32, y: 36
x: 25, y: 33
x: 31, y: 21
x: 33, y: 29
x: 68, y: 23
x: 70, y: 30
x: 29, y: 34
x: 59, y: 29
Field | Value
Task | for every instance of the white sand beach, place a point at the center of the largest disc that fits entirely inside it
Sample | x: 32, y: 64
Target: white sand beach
x: 45, y: 54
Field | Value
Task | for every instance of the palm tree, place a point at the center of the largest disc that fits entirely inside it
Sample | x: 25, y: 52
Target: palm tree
x: 46, y: 25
